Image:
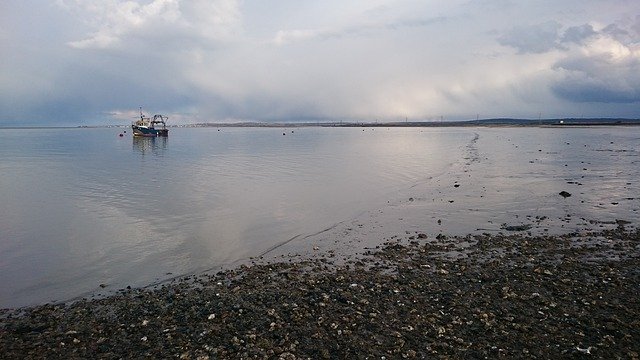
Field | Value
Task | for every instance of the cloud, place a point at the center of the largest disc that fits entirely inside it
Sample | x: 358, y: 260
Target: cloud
x: 116, y: 54
x: 535, y: 39
x: 283, y: 37
x: 82, y: 61
x: 116, y: 20
x: 601, y: 68
x: 593, y: 65
x: 578, y: 34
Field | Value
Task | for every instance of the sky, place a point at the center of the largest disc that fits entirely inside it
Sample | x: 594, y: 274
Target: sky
x: 86, y: 62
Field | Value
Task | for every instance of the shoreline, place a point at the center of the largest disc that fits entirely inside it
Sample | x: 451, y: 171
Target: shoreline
x: 491, y: 122
x: 416, y: 295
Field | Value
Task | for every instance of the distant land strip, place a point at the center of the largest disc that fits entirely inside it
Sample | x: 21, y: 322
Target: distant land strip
x: 444, y: 123
x: 461, y: 123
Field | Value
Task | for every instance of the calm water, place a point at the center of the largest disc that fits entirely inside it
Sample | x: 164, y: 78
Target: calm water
x: 83, y: 207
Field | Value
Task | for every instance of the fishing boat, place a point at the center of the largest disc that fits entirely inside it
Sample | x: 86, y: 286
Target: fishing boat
x: 146, y: 126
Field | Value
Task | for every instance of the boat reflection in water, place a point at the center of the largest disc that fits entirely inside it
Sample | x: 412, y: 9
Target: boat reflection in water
x: 150, y: 145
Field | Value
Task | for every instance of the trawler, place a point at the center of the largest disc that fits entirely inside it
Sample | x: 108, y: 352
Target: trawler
x: 146, y: 126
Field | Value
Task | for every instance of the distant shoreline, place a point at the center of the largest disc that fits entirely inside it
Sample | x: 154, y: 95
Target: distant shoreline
x: 502, y: 122
x: 464, y: 123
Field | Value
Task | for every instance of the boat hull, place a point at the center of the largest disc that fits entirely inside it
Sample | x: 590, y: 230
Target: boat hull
x: 148, y: 132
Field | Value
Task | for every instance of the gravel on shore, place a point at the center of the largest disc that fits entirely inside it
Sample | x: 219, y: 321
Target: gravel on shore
x: 415, y: 296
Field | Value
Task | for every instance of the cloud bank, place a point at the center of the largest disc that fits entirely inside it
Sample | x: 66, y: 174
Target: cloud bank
x: 86, y: 62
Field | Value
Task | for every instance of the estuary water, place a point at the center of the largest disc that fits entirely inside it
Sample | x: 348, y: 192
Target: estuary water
x: 82, y: 209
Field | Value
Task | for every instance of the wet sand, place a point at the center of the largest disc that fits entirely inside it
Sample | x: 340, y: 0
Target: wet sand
x: 415, y: 296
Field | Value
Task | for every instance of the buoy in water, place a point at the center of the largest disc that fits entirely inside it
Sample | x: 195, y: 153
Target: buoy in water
x: 121, y: 135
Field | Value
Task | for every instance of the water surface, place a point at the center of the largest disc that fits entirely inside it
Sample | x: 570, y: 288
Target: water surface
x: 84, y: 207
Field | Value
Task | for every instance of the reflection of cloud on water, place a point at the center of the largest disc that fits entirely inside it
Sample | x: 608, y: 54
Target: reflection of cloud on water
x: 150, y: 145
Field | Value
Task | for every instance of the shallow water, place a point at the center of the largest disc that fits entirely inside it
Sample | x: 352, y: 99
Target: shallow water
x: 506, y: 179
x: 84, y: 207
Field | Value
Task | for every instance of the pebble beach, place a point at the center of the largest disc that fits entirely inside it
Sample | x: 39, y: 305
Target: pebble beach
x: 416, y: 295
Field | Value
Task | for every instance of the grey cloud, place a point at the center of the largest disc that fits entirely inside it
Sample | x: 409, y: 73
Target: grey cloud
x: 636, y: 25
x: 541, y: 38
x: 628, y: 35
x: 616, y: 32
x: 581, y: 88
x: 609, y: 73
x: 578, y: 34
x: 597, y: 66
x: 536, y: 39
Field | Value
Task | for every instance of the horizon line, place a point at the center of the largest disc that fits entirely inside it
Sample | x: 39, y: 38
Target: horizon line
x: 406, y: 123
